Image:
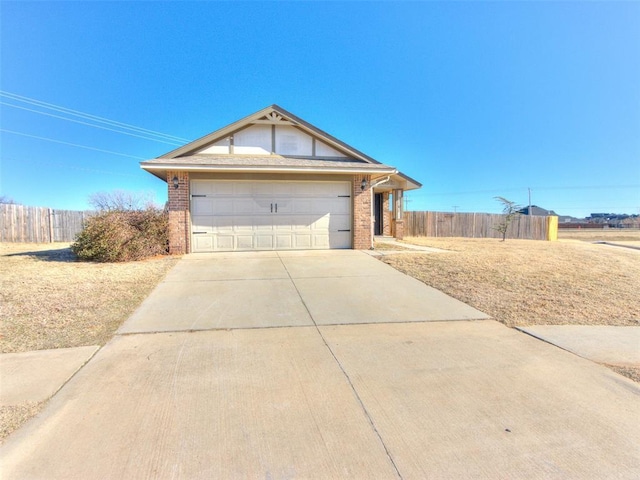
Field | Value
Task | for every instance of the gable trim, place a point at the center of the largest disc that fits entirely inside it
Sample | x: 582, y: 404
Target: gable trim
x: 256, y: 118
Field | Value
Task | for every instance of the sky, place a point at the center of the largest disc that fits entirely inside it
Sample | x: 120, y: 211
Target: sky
x: 472, y: 99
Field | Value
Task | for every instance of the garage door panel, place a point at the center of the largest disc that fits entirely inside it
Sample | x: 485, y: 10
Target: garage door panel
x: 264, y: 242
x: 202, y: 243
x: 202, y: 206
x: 302, y: 223
x: 284, y: 242
x: 222, y: 224
x: 244, y: 206
x: 302, y: 240
x: 320, y: 240
x: 254, y: 215
x: 303, y: 205
x: 340, y: 240
x: 261, y: 223
x: 339, y: 206
x: 223, y: 206
x: 339, y: 222
x: 283, y: 205
x: 242, y: 242
x: 203, y: 223
x: 262, y: 205
x: 241, y: 189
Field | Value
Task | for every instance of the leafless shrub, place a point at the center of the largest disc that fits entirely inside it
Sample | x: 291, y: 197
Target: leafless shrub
x: 121, y: 200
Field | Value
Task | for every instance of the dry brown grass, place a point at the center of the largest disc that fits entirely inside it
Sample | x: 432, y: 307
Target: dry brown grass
x: 49, y: 300
x: 13, y: 417
x: 628, y: 371
x: 526, y: 282
x: 600, y: 235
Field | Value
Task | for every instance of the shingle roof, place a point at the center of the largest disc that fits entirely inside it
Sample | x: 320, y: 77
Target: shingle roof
x: 234, y: 160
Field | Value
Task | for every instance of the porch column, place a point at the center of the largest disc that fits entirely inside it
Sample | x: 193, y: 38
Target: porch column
x: 179, y: 218
x: 386, y: 215
x: 362, y: 204
x: 398, y: 221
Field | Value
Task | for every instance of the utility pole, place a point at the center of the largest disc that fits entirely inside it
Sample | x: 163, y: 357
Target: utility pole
x: 406, y: 203
x: 455, y: 208
x: 529, y: 212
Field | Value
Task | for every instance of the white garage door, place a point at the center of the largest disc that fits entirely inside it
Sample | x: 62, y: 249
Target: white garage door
x: 256, y: 215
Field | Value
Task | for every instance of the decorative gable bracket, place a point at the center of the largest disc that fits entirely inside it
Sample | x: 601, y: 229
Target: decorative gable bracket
x: 274, y: 118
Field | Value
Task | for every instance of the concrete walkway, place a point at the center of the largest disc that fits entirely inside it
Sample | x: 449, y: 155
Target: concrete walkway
x: 221, y: 382
x: 602, y: 344
x: 35, y: 376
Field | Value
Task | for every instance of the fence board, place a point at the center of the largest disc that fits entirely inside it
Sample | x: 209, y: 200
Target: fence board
x: 19, y: 223
x: 472, y: 225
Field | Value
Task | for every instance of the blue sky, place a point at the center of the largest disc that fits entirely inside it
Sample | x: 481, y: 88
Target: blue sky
x: 473, y: 99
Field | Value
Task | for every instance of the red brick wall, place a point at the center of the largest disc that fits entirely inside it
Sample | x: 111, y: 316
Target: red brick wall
x: 362, y: 213
x: 179, y: 219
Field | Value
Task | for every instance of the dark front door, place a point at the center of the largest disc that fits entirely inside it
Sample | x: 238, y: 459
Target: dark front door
x: 377, y: 209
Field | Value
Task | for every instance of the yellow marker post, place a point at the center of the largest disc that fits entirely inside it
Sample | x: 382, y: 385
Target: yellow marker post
x: 552, y: 228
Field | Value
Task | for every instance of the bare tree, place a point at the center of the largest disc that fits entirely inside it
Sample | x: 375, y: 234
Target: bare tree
x: 510, y: 211
x: 6, y: 199
x: 121, y: 200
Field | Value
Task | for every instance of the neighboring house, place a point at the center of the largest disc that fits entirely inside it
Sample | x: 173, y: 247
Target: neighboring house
x: 272, y: 181
x: 535, y: 210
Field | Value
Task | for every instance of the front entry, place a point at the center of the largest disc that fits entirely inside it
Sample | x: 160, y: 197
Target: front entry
x: 377, y: 211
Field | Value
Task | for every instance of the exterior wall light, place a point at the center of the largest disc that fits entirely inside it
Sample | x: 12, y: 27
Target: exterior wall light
x: 363, y: 184
x: 175, y: 182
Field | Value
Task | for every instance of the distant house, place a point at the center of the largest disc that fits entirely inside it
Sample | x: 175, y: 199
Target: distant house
x: 536, y: 210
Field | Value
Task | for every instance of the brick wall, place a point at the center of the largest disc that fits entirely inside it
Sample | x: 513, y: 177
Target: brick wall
x: 178, y: 213
x: 362, y: 213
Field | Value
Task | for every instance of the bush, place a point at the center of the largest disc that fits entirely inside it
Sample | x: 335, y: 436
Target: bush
x: 122, y: 236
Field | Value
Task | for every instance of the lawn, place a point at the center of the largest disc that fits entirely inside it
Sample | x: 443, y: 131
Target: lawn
x: 50, y: 300
x: 528, y: 282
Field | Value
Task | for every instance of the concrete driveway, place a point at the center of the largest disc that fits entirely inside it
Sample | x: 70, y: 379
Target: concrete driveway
x: 326, y: 365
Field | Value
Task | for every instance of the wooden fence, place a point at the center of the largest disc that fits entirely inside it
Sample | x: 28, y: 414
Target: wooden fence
x: 473, y: 225
x: 39, y: 225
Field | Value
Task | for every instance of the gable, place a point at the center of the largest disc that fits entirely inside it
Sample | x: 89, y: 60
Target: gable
x: 271, y: 130
x: 271, y: 140
x: 261, y: 139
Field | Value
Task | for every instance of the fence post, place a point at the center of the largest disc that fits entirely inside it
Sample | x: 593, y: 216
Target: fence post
x: 50, y: 225
x: 436, y: 224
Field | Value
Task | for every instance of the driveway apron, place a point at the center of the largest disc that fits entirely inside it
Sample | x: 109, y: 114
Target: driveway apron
x: 325, y: 365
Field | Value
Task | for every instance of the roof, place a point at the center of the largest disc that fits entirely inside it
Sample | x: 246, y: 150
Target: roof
x: 190, y: 157
x: 226, y: 162
x: 536, y: 210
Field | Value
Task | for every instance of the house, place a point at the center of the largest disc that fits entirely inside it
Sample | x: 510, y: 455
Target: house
x: 272, y: 181
x: 536, y: 210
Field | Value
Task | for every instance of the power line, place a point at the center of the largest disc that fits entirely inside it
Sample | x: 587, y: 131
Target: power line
x: 69, y: 167
x: 96, y: 118
x: 71, y: 144
x: 89, y: 124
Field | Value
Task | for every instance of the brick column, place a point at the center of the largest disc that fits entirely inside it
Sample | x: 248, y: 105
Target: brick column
x: 179, y: 219
x: 362, y: 222
x: 386, y: 215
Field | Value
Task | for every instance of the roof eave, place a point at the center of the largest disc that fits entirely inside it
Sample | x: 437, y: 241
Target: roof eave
x: 157, y: 169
